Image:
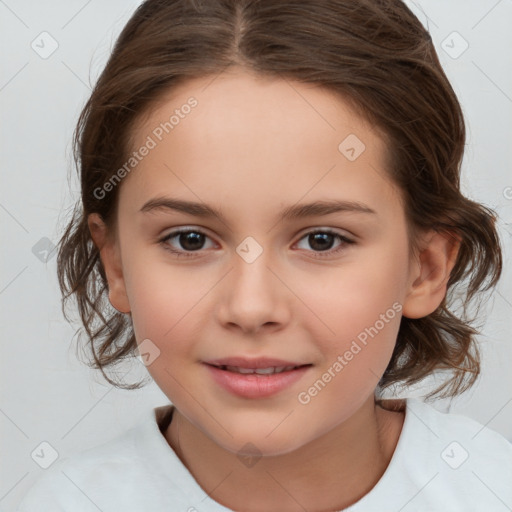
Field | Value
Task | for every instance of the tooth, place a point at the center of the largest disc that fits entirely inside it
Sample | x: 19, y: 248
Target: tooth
x: 264, y: 371
x: 232, y: 369
x: 244, y: 370
x: 260, y: 371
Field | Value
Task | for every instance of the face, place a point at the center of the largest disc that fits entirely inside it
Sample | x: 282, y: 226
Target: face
x: 317, y: 289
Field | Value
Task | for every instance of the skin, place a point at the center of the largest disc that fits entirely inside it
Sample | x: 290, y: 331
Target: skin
x: 251, y: 147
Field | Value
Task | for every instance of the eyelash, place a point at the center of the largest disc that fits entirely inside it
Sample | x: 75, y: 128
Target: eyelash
x: 318, y: 254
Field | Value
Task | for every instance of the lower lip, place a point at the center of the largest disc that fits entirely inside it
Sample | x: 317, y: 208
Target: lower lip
x: 253, y: 385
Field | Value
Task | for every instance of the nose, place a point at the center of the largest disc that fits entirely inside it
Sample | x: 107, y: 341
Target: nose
x: 253, y: 297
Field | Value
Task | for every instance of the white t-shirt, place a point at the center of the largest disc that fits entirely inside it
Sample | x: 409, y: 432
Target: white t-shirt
x: 442, y: 463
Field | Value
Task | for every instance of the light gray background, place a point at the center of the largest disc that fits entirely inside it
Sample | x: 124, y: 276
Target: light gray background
x: 47, y: 394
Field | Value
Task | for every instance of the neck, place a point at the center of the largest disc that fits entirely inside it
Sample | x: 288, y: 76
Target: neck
x: 331, y: 472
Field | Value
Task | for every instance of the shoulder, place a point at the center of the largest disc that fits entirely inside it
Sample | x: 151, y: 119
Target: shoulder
x: 462, y: 463
x: 443, y: 462
x: 478, y: 440
x: 73, y: 481
x: 90, y: 480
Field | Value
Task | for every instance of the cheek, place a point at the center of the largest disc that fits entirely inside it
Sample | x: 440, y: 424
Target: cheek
x: 359, y: 310
x: 164, y: 299
x: 166, y: 308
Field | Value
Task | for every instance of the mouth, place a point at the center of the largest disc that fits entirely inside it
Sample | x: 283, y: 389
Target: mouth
x: 270, y: 370
x: 255, y: 378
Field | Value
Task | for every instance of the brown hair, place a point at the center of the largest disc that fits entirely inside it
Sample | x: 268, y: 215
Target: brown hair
x: 375, y: 54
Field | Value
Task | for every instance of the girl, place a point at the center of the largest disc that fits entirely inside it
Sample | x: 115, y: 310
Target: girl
x: 270, y: 202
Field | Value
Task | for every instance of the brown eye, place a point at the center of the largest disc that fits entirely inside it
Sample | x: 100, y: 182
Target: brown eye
x: 185, y: 241
x: 191, y: 240
x: 322, y: 241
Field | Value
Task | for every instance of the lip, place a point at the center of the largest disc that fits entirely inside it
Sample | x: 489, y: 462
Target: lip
x: 255, y: 386
x: 259, y: 362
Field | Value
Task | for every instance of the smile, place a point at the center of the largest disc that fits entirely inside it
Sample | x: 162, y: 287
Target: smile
x: 259, y: 371
x: 256, y: 379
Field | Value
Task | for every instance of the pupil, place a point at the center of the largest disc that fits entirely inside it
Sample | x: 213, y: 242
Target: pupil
x: 191, y: 241
x: 323, y: 239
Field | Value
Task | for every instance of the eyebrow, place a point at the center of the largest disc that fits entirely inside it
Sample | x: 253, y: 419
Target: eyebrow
x: 297, y: 211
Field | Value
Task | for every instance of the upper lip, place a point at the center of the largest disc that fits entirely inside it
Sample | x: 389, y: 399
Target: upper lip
x: 260, y: 362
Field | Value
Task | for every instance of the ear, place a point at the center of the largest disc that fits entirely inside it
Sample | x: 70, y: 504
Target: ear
x: 110, y: 258
x: 430, y: 273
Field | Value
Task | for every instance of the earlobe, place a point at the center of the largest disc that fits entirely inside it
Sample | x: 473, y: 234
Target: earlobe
x: 430, y: 274
x: 110, y: 258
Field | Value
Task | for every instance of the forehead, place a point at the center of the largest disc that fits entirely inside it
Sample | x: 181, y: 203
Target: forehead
x: 253, y: 141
